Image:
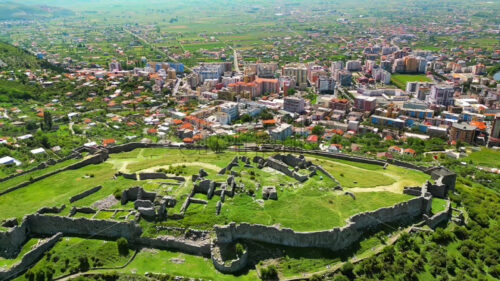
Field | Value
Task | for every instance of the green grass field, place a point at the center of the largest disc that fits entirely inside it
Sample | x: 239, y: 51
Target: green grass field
x: 65, y: 256
x: 400, y: 80
x: 316, y: 206
x: 6, y: 263
x: 485, y: 157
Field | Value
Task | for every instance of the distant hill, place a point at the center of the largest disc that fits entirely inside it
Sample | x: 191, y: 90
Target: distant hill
x: 12, y: 11
x: 14, y: 58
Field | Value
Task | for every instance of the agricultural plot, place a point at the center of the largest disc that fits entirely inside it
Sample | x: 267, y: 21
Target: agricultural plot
x: 400, y: 80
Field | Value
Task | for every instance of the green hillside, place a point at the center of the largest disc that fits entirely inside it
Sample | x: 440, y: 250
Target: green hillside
x: 14, y: 58
x: 12, y: 11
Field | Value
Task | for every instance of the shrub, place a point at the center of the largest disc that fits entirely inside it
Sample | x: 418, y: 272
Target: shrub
x: 347, y: 270
x: 269, y: 273
x: 122, y: 245
x: 316, y: 277
x: 239, y: 249
x: 117, y: 194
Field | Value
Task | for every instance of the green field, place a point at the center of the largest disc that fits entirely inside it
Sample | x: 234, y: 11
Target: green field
x: 316, y: 205
x: 65, y: 256
x: 485, y: 157
x: 400, y: 80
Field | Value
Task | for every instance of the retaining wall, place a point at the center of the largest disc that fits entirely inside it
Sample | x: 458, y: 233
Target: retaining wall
x: 199, y: 248
x: 85, y: 193
x: 29, y: 258
x: 335, y: 239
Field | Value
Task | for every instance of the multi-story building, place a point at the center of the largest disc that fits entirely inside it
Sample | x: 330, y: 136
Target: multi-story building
x: 337, y: 65
x: 325, y: 84
x: 343, y: 77
x: 441, y: 95
x: 231, y: 108
x: 209, y: 71
x: 353, y: 65
x: 115, y: 66
x: 179, y: 67
x: 339, y: 104
x: 462, y: 132
x: 281, y: 132
x: 364, y: 103
x: 382, y: 75
x: 386, y: 121
x: 297, y: 71
x: 386, y: 65
x: 244, y: 89
x: 293, y: 104
x: 268, y: 86
x: 495, y: 132
x: 411, y: 64
x: 398, y: 66
x: 266, y: 70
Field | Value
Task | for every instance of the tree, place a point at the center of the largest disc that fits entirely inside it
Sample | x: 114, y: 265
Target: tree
x: 239, y: 249
x: 318, y: 130
x: 47, y: 121
x: 245, y: 118
x: 122, y: 245
x: 216, y: 144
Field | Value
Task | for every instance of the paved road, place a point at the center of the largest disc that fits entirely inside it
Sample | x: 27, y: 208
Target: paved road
x: 154, y: 47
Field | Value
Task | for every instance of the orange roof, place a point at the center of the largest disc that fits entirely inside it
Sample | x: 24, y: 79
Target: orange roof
x: 177, y: 121
x: 394, y: 147
x: 480, y: 125
x: 186, y: 126
x: 409, y: 150
x: 271, y: 121
x: 152, y: 130
x: 187, y: 140
x: 108, y: 141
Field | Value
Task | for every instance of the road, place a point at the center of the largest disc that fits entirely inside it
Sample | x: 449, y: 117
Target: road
x: 236, y: 65
x: 154, y: 47
x: 176, y: 88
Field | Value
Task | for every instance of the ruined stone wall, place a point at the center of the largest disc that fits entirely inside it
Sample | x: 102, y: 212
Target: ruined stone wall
x: 96, y: 159
x: 29, y: 258
x: 335, y: 239
x: 440, y: 217
x: 406, y: 165
x: 85, y: 193
x: 200, y: 248
x: 233, y: 266
x: 12, y: 240
x: 45, y: 225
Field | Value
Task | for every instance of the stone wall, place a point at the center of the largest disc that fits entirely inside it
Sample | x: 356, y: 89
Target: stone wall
x: 440, y: 217
x: 96, y: 159
x: 45, y: 225
x: 29, y: 258
x: 232, y: 266
x: 335, y: 239
x: 12, y: 240
x: 200, y: 248
x: 85, y: 193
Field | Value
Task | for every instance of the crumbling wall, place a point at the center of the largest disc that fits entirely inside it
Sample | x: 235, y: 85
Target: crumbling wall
x: 440, y: 217
x: 200, y: 248
x: 232, y: 266
x: 335, y: 239
x: 45, y: 225
x: 12, y: 240
x: 85, y: 193
x: 29, y: 258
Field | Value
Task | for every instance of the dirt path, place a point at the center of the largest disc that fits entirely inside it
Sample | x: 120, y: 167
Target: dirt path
x: 396, y: 187
x: 200, y: 164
